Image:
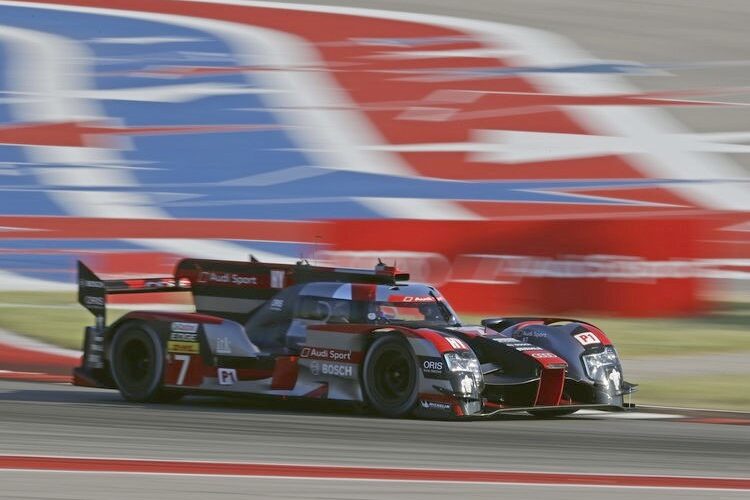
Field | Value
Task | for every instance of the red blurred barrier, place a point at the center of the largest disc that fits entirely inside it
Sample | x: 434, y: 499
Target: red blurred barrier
x: 633, y: 267
x: 656, y: 266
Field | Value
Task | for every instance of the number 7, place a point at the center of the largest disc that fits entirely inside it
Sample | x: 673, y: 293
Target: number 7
x: 184, y: 368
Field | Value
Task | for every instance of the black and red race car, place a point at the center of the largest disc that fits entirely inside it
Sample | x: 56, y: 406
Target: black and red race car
x: 364, y: 336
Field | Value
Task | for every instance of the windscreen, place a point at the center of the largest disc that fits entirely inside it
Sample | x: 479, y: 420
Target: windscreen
x: 427, y: 310
x: 424, y: 310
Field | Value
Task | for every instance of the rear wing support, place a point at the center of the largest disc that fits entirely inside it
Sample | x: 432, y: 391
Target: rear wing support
x: 92, y: 294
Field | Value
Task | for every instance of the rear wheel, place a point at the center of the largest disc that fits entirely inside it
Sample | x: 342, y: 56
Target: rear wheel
x: 137, y: 365
x: 390, y: 378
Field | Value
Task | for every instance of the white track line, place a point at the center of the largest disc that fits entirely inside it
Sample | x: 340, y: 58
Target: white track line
x: 22, y: 342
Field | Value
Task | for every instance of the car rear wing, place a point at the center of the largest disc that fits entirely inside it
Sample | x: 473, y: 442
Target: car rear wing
x: 93, y: 291
x: 92, y: 294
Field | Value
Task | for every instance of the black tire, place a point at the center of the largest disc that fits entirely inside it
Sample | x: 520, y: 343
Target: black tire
x: 137, y: 365
x: 390, y: 377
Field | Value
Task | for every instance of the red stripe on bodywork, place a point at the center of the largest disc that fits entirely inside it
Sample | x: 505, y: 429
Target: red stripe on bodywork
x: 599, y: 334
x: 547, y: 359
x: 246, y: 373
x: 550, y: 387
x: 285, y: 372
x: 440, y: 342
x: 174, y: 316
x: 73, y: 464
x: 194, y: 373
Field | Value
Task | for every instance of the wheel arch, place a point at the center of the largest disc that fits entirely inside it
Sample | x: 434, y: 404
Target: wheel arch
x: 435, y: 387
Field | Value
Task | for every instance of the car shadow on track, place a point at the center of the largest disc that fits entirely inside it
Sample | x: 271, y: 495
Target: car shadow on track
x: 68, y: 394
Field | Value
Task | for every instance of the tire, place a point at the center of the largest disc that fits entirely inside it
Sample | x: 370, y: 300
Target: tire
x: 137, y: 365
x: 390, y: 377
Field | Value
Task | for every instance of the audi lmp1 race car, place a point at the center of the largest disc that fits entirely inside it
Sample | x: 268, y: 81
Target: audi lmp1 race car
x: 363, y: 336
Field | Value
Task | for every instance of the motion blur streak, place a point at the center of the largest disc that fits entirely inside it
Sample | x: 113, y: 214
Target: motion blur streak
x: 390, y: 117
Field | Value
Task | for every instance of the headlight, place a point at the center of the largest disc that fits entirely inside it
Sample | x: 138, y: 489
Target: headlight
x: 597, y: 363
x: 467, y: 378
x: 459, y: 362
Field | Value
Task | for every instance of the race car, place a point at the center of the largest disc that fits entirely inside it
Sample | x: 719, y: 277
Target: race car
x: 363, y: 336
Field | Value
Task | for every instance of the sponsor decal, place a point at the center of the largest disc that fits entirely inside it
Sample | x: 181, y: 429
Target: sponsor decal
x: 332, y: 369
x: 543, y: 355
x: 532, y: 332
x: 95, y: 348
x: 93, y: 301
x: 326, y: 354
x: 160, y: 284
x: 457, y: 343
x: 337, y: 370
x: 180, y: 347
x: 227, y: 376
x: 277, y: 279
x: 223, y: 346
x: 505, y: 340
x: 432, y: 367
x: 432, y: 405
x: 232, y: 279
x: 527, y: 348
x: 277, y: 304
x: 181, y: 327
x: 91, y: 284
x: 184, y: 337
x: 587, y: 338
x: 417, y: 299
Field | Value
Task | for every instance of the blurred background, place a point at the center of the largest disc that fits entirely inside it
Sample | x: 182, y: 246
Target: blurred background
x: 568, y: 158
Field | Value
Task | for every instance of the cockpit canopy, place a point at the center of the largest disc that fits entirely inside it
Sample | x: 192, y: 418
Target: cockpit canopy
x: 378, y: 304
x: 284, y: 315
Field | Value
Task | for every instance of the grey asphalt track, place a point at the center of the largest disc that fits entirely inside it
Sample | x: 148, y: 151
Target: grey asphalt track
x: 43, y: 419
x: 96, y: 486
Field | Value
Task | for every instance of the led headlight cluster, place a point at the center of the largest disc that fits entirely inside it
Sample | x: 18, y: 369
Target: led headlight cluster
x: 462, y: 362
x: 597, y: 363
x: 468, y: 373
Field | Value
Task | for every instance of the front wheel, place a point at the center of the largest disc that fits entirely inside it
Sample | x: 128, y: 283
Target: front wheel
x: 137, y: 365
x: 390, y: 378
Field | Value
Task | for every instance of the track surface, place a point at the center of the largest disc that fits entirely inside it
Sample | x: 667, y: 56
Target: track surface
x: 42, y: 419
